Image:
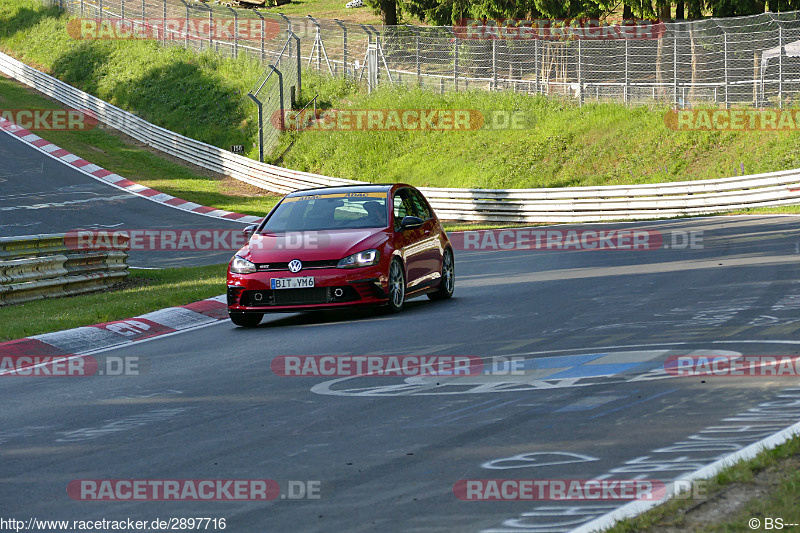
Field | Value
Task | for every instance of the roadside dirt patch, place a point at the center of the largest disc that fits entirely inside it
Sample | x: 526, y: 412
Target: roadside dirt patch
x: 723, y: 505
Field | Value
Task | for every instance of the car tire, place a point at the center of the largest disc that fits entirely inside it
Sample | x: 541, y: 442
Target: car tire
x: 448, y: 283
x: 246, y: 320
x: 397, y: 286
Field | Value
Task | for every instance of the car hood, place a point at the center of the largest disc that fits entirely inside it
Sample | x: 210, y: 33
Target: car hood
x: 311, y: 245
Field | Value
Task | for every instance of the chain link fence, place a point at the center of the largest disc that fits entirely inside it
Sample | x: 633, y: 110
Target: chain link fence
x: 745, y: 61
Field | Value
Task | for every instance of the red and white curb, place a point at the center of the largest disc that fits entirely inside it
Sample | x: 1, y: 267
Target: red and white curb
x: 100, y: 337
x: 115, y: 180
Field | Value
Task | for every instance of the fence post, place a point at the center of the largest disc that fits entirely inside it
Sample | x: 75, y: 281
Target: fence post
x: 289, y: 32
x: 725, y: 36
x: 100, y: 9
x: 280, y: 96
x: 299, y: 66
x: 675, y: 68
x: 536, y: 61
x: 317, y: 42
x: 455, y: 63
x: 235, y: 31
x: 144, y: 12
x: 580, y: 76
x: 210, y: 27
x: 82, y: 8
x: 780, y: 67
x: 122, y: 4
x: 263, y: 29
x: 186, y: 29
x: 627, y: 76
x: 419, y: 66
x: 164, y: 27
x: 344, y: 44
x: 260, y: 127
x: 494, y: 64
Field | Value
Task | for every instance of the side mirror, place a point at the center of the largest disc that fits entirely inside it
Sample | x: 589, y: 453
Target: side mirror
x: 249, y: 230
x: 411, y: 223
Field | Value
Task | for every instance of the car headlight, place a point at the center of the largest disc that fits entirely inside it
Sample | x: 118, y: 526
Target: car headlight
x: 240, y: 265
x: 361, y: 259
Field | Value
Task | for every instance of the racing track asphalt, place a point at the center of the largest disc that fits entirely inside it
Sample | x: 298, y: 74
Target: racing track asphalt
x: 388, y: 451
x: 39, y: 194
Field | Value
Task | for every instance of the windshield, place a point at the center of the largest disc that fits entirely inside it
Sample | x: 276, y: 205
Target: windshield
x: 329, y: 211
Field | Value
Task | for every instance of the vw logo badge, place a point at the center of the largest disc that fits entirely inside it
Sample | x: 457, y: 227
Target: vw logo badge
x: 295, y: 265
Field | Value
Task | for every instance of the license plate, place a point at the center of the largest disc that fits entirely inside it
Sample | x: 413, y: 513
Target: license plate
x: 292, y: 283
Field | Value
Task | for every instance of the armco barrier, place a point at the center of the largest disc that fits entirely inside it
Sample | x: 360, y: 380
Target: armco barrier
x: 33, y: 267
x: 568, y: 204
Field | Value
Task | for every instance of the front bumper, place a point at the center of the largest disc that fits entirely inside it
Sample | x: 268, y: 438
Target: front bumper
x: 333, y: 288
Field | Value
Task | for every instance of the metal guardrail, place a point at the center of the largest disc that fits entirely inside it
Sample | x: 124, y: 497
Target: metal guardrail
x: 570, y: 204
x: 34, y: 267
x: 269, y: 177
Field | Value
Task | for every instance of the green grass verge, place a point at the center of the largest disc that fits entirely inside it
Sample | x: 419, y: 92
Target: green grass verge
x: 137, y: 163
x: 147, y: 290
x: 204, y: 96
x: 561, y: 145
x: 779, y: 499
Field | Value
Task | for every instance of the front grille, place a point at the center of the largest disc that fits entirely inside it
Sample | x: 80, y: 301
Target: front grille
x: 314, y: 295
x: 307, y: 265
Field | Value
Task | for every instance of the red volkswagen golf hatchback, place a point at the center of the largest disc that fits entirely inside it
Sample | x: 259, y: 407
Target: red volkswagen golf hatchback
x: 338, y: 247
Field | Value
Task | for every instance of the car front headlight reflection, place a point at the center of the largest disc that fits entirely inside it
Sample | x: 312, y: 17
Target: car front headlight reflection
x: 240, y: 265
x: 361, y: 259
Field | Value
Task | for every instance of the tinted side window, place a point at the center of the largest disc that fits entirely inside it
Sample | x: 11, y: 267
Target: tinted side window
x: 420, y: 205
x: 404, y: 206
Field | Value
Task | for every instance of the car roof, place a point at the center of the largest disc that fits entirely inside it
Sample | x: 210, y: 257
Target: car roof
x: 344, y: 189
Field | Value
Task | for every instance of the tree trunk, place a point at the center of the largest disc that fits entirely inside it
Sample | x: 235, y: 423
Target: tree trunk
x: 664, y: 12
x: 679, y: 12
x: 627, y: 12
x: 389, y: 12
